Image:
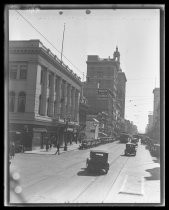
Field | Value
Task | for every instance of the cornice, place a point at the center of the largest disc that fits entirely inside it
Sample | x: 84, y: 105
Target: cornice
x: 51, y: 59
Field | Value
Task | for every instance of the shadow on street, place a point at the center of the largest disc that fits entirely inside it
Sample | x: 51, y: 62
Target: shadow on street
x: 84, y: 172
x: 155, y: 174
x: 157, y: 160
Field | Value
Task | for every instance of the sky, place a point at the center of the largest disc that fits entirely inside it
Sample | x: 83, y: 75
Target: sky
x: 135, y: 32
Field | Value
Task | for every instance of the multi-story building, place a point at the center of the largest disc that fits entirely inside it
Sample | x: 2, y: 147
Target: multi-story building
x: 105, y: 88
x: 44, y: 94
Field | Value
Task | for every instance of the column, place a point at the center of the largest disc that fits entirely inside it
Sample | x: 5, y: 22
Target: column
x: 44, y: 92
x: 73, y: 104
x: 52, y: 96
x: 55, y: 95
x: 65, y: 100
x: 77, y: 98
x: 68, y: 108
x: 58, y: 95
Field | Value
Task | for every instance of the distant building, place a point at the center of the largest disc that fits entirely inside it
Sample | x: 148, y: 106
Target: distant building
x: 130, y: 127
x: 105, y: 88
x: 92, y: 127
x: 156, y: 93
x: 43, y: 94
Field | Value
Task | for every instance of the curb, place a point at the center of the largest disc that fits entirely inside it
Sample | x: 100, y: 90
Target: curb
x: 48, y: 153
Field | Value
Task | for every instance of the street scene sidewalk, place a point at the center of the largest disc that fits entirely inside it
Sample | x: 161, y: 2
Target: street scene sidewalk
x: 53, y: 150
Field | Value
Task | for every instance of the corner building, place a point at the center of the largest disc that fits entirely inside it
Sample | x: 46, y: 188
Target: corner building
x: 44, y: 94
x: 105, y: 88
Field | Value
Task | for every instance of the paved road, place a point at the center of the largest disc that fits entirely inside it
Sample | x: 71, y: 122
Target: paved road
x: 63, y: 178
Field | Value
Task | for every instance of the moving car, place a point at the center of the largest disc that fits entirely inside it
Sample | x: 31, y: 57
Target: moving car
x: 130, y: 149
x: 98, y: 161
x: 134, y: 141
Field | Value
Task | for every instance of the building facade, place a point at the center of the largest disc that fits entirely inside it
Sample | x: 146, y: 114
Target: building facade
x: 105, y: 88
x: 44, y: 94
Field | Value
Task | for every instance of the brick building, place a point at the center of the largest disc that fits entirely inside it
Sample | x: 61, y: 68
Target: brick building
x: 44, y: 94
x: 105, y: 88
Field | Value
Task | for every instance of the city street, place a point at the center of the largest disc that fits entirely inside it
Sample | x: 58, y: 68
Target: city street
x: 63, y: 178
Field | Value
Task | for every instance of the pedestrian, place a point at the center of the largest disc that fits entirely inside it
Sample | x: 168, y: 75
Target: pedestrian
x: 76, y: 136
x: 50, y: 143
x: 12, y: 150
x: 58, y: 147
x: 47, y: 145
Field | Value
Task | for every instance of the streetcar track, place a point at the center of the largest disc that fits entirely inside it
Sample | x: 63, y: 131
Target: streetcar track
x: 61, y: 170
x: 113, y: 147
x: 115, y: 179
x: 96, y: 178
x: 74, y: 175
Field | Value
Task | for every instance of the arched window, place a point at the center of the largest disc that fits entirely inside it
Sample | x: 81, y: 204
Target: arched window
x: 11, y: 101
x: 40, y: 102
x: 21, y: 102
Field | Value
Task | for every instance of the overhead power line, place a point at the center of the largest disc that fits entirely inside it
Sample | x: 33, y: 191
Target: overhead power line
x: 47, y: 40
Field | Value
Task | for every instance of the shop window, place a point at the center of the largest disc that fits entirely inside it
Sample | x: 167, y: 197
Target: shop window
x: 23, y: 71
x: 11, y: 101
x: 21, y: 102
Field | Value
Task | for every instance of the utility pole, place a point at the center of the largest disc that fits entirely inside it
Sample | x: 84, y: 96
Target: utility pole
x: 63, y: 41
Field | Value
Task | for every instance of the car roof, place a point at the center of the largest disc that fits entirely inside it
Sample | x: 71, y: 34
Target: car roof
x: 130, y: 143
x: 99, y: 151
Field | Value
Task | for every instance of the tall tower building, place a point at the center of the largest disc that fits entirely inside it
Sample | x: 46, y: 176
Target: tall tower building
x: 104, y: 78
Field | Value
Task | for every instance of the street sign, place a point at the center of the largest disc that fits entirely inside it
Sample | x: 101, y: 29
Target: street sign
x: 103, y: 93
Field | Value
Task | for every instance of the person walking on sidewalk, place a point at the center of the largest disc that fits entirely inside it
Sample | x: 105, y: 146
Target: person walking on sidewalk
x: 58, y: 147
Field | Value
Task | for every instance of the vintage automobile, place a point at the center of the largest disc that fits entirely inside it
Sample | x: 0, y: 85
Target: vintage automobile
x: 130, y: 149
x: 83, y: 145
x: 134, y: 141
x: 124, y: 137
x: 98, y: 161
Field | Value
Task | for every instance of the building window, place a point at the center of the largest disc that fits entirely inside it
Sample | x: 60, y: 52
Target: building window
x: 56, y: 84
x: 11, y: 101
x: 13, y: 72
x: 21, y: 102
x: 42, y: 76
x: 40, y: 102
x: 50, y: 81
x: 48, y: 107
x: 88, y: 79
x: 23, y: 71
x: 99, y: 74
x: 55, y: 108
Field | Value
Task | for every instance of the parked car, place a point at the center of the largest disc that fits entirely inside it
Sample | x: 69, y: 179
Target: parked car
x: 98, y: 161
x: 125, y: 137
x: 130, y: 149
x: 83, y: 145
